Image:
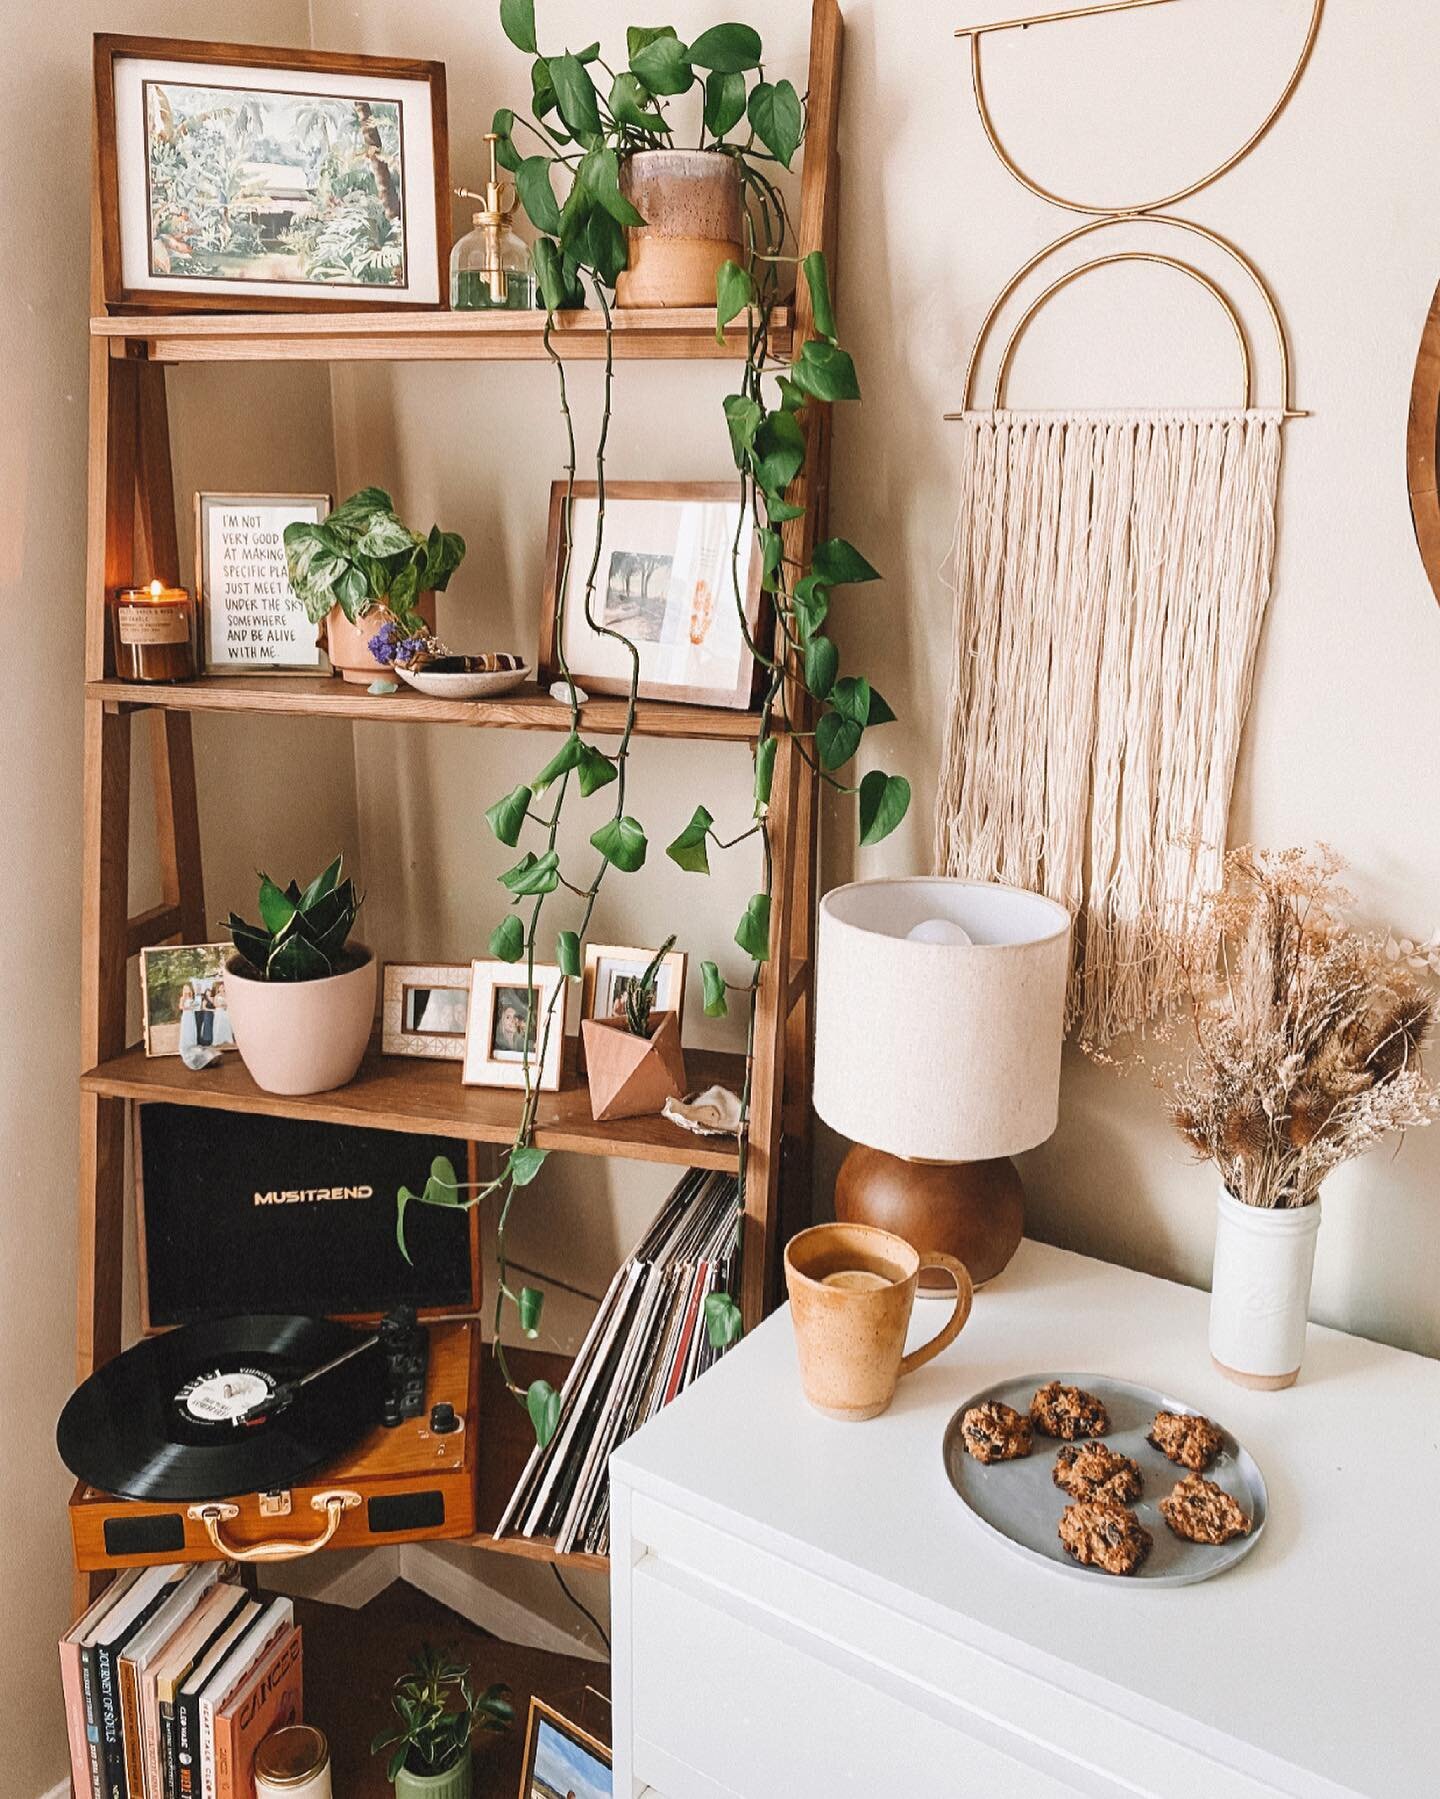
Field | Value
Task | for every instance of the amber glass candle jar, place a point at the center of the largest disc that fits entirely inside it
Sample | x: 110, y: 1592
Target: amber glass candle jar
x: 154, y: 633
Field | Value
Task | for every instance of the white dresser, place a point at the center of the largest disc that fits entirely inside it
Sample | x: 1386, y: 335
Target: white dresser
x: 803, y: 1608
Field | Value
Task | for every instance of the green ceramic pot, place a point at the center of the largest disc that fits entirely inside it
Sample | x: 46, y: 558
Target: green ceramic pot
x: 454, y: 1783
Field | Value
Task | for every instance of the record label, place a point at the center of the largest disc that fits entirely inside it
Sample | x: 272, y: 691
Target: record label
x: 225, y: 1397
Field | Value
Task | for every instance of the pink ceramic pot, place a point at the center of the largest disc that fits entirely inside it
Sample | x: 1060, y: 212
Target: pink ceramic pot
x: 348, y: 646
x: 302, y: 1036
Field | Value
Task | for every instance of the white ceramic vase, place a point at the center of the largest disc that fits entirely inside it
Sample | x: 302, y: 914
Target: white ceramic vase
x: 1260, y: 1291
x: 302, y: 1036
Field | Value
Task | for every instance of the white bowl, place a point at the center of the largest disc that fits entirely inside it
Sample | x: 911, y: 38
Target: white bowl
x: 466, y: 684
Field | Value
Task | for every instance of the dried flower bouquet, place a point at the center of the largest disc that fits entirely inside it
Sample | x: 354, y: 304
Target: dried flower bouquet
x: 1307, y: 1032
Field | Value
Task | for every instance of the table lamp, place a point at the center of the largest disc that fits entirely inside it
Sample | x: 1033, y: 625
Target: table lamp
x: 939, y: 1018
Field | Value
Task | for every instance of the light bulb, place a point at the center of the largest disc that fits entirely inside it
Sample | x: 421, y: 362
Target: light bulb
x: 939, y: 930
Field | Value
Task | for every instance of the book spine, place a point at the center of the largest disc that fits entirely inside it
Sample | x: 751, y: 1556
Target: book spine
x: 90, y: 1691
x: 131, y: 1740
x: 168, y: 1747
x: 111, y: 1736
x: 187, y: 1741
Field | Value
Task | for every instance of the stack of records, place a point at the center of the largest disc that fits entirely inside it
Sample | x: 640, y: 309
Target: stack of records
x: 648, y: 1342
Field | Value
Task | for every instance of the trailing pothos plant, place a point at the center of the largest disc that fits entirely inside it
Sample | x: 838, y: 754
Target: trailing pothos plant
x: 583, y: 127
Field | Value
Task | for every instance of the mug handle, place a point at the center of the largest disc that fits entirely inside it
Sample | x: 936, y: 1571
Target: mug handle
x: 964, y: 1299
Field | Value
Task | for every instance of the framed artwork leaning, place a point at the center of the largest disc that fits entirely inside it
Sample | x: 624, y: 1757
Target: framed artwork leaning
x: 235, y: 177
x: 251, y: 623
x: 561, y: 1760
x: 666, y: 580
x: 182, y: 998
x: 515, y: 1029
x: 425, y: 1010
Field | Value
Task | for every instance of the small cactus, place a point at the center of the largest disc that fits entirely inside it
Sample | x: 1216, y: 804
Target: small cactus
x: 640, y: 995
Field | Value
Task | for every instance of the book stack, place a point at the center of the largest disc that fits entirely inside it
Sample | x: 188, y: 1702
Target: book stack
x: 648, y: 1342
x: 172, y: 1680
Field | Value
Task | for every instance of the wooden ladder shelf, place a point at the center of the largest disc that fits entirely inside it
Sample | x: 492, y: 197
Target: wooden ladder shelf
x: 132, y: 537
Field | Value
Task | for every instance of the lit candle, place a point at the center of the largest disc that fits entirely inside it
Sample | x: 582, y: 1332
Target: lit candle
x: 154, y: 630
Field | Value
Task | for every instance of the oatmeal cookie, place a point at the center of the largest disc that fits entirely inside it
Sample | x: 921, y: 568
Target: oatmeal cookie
x: 1186, y: 1438
x: 1095, y: 1471
x: 1067, y: 1412
x: 1201, y: 1512
x: 995, y: 1433
x: 1098, y: 1533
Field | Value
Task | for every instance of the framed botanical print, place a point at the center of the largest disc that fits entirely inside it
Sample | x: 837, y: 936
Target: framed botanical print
x: 250, y: 620
x: 425, y: 1010
x: 239, y: 178
x: 666, y: 582
x: 515, y: 1025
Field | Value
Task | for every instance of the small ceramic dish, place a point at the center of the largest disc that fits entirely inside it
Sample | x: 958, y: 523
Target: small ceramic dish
x: 466, y: 677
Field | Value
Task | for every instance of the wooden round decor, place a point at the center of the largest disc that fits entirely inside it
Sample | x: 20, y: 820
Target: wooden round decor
x: 1420, y: 445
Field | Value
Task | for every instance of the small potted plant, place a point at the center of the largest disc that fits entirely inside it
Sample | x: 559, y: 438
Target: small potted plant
x: 301, y: 996
x: 430, y: 1751
x: 371, y: 581
x: 634, y: 1062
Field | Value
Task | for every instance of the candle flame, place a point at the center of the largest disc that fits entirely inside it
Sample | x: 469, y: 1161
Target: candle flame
x: 156, y: 590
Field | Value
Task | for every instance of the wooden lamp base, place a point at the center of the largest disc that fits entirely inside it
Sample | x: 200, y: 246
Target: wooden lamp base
x: 974, y: 1211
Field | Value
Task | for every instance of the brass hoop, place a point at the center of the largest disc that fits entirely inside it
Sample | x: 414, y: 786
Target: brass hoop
x: 977, y: 33
x: 1101, y: 262
x: 1077, y: 232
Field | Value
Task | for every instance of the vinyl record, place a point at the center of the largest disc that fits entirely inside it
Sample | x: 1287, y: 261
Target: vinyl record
x: 166, y: 1420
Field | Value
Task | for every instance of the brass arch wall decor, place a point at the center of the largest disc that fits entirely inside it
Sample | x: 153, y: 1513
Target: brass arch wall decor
x: 1420, y: 445
x: 977, y: 35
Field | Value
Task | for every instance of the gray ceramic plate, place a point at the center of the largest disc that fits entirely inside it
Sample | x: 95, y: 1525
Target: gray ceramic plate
x: 471, y: 684
x: 1021, y: 1504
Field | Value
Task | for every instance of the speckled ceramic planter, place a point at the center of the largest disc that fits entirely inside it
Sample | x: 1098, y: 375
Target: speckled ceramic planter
x: 690, y: 201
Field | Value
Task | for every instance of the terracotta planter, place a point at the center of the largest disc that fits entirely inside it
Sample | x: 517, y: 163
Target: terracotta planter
x: 629, y: 1075
x: 1260, y: 1291
x: 454, y: 1783
x: 347, y: 645
x: 302, y: 1036
x: 690, y: 201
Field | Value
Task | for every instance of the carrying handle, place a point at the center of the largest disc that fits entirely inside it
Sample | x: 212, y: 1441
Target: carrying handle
x: 334, y: 1503
x: 964, y: 1299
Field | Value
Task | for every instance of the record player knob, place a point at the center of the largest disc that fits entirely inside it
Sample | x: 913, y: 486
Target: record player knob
x: 442, y: 1418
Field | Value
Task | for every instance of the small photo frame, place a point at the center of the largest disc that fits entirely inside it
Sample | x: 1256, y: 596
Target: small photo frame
x: 250, y: 620
x: 182, y: 998
x: 235, y: 177
x: 612, y: 968
x: 513, y: 1024
x: 426, y: 1010
x: 562, y: 1760
x: 666, y: 581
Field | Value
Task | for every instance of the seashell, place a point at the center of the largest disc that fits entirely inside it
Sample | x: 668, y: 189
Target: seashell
x: 713, y: 1113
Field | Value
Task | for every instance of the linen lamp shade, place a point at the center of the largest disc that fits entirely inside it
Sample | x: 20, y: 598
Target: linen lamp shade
x: 939, y: 1052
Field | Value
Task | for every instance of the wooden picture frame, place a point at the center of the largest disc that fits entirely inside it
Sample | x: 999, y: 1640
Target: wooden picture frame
x: 143, y: 235
x: 402, y: 980
x: 716, y: 668
x: 532, y: 1772
x: 597, y: 988
x: 311, y: 507
x: 494, y: 1058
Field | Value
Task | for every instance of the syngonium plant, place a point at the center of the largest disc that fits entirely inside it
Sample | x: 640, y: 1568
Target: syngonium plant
x: 583, y: 131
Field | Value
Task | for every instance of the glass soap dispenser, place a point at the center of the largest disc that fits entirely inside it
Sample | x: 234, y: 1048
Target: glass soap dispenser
x: 490, y: 266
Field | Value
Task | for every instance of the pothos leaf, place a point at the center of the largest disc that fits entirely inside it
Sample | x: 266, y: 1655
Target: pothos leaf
x: 567, y: 954
x: 517, y: 21
x: 778, y: 118
x: 728, y: 49
x: 691, y: 849
x: 507, y: 817
x: 532, y: 183
x: 764, y: 771
x: 533, y: 875
x: 837, y: 562
x: 713, y: 982
x: 724, y: 102
x: 600, y: 171
x: 723, y: 1323
x: 575, y: 92
x: 810, y: 602
x: 734, y: 291
x: 817, y: 279
x: 442, y: 1171
x: 507, y: 940
x: 836, y: 738
x: 778, y: 451
x: 880, y: 713
x: 851, y: 699
x: 622, y: 843
x: 826, y: 371
x: 822, y: 664
x: 884, y: 801
x: 743, y: 416
x: 568, y: 756
x: 595, y: 771
x: 543, y: 1404
x: 663, y: 65
x: 630, y: 103
x: 753, y: 931
x: 529, y: 1303
x: 524, y: 1163
x: 550, y: 273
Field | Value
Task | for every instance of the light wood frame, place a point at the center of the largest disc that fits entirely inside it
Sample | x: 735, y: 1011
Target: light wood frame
x: 540, y: 1712
x: 399, y: 979
x: 741, y: 691
x: 481, y: 1066
x: 676, y: 964
x: 321, y: 666
x: 111, y: 47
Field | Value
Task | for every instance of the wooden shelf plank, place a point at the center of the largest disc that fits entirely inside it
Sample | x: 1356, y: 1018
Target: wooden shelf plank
x: 402, y: 1093
x: 325, y: 696
x: 672, y: 334
x: 506, y: 1439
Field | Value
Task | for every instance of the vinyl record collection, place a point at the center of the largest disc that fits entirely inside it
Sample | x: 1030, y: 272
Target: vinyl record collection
x: 172, y: 1679
x: 648, y: 1342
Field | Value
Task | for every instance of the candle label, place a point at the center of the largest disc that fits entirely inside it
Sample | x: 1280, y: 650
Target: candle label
x: 252, y: 618
x: 159, y: 623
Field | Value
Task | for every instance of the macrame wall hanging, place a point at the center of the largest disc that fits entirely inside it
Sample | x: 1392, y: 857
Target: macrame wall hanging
x: 1111, y: 572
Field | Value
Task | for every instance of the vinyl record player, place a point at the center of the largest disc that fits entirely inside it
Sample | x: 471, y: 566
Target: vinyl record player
x: 262, y: 1435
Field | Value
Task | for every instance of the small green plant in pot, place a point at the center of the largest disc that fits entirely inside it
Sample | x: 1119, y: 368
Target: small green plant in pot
x: 438, y: 1713
x: 301, y: 994
x: 372, y: 581
x: 634, y: 1063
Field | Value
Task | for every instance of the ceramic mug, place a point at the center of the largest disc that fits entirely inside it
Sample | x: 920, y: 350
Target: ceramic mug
x: 852, y: 1289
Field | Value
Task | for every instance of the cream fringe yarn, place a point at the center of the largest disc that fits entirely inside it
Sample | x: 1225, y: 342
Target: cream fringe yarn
x: 1111, y: 573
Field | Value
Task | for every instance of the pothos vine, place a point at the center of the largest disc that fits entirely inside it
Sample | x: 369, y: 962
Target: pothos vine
x: 580, y: 250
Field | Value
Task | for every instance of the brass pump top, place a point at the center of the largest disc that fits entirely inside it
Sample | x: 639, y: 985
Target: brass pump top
x: 495, y: 210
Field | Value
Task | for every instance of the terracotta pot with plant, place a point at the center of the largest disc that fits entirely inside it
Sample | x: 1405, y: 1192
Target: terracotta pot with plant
x: 301, y: 995
x: 635, y: 1063
x: 439, y: 1713
x: 1306, y: 1052
x: 371, y: 582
